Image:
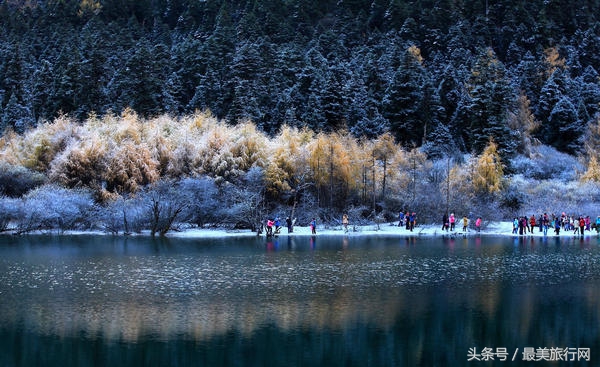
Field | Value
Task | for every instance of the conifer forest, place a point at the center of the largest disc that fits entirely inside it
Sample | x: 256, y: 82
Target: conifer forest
x: 132, y: 115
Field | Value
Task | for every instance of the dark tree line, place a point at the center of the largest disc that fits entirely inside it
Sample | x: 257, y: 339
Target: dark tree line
x: 443, y: 75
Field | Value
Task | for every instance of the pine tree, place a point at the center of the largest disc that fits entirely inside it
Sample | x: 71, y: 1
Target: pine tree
x: 405, y: 99
x: 569, y: 129
x: 491, y: 96
x: 16, y: 116
x: 554, y: 90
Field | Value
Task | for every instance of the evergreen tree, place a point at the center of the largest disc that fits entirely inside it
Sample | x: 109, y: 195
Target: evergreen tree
x: 13, y: 73
x: 93, y: 75
x: 587, y: 89
x: 491, y: 97
x: 405, y: 99
x: 214, y: 90
x: 568, y: 129
x: 67, y: 89
x: 16, y: 116
x: 554, y: 90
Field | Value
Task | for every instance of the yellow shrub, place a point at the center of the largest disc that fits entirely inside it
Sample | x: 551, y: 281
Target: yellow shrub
x: 129, y: 167
x: 82, y: 165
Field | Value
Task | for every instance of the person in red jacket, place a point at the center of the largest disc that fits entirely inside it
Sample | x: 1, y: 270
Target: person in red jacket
x: 531, y: 223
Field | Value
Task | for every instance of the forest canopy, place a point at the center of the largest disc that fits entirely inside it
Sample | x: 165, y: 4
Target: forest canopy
x: 443, y: 75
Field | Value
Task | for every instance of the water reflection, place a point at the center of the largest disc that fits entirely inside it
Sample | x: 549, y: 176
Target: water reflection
x: 405, y: 301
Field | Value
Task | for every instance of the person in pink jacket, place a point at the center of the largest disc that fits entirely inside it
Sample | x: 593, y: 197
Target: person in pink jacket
x: 452, y: 221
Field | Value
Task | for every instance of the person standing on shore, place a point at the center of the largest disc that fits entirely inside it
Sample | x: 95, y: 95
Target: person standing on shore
x: 277, y: 225
x: 478, y: 224
x: 313, y: 226
x: 522, y: 225
x: 531, y: 223
x: 588, y: 223
x: 345, y: 222
x: 452, y: 221
x: 445, y: 223
x: 465, y: 223
x: 289, y: 223
x: 400, y: 219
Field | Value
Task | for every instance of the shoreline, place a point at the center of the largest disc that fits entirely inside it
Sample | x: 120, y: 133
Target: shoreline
x: 384, y: 229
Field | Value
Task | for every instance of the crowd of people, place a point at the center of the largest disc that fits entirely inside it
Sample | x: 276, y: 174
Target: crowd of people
x: 408, y: 220
x: 577, y: 224
x: 521, y: 225
x: 449, y: 223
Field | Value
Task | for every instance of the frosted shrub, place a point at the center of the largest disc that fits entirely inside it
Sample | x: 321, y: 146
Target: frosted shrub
x: 51, y: 207
x: 205, y: 200
x: 124, y: 214
x: 555, y: 196
x: 185, y: 160
x: 547, y: 163
x: 287, y: 170
x: 11, y: 209
x: 249, y: 147
x: 17, y: 180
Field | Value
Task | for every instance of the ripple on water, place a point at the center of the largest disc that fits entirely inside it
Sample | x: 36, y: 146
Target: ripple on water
x: 154, y: 277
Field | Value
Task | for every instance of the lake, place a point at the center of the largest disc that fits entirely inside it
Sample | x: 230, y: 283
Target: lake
x: 298, y: 301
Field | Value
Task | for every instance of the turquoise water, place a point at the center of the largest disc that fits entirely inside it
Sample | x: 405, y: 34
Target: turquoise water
x: 304, y: 301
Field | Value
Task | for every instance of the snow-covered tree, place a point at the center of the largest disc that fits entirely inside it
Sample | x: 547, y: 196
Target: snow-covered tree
x: 568, y: 129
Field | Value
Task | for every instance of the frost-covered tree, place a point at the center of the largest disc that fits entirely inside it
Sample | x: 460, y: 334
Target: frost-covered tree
x: 491, y: 97
x: 587, y: 88
x: 383, y: 151
x: 16, y: 116
x: 165, y: 205
x: 11, y: 210
x: 244, y: 203
x: 405, y: 99
x: 567, y: 128
x: 206, y: 200
x: 523, y: 125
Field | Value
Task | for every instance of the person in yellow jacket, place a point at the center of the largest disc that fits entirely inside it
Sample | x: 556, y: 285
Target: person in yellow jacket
x: 465, y: 223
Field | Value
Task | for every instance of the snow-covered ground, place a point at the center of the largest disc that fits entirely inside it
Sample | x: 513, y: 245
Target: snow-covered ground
x: 386, y: 229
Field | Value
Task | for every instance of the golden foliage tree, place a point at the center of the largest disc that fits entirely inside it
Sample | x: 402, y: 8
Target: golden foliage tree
x: 592, y: 174
x: 287, y: 171
x: 384, y: 149
x: 81, y: 165
x: 129, y: 167
x: 488, y: 170
x: 38, y: 147
x: 553, y: 60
